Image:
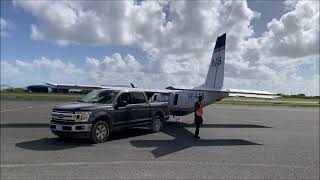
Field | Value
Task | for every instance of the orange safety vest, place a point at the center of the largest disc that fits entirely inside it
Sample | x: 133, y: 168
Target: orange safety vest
x: 199, y: 111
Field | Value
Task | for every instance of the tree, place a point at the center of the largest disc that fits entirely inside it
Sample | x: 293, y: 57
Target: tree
x: 301, y: 95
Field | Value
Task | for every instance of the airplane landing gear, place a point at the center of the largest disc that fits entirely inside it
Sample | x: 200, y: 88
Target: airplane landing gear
x: 175, y: 118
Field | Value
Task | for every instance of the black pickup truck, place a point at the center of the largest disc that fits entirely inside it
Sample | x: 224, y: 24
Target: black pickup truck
x: 98, y: 113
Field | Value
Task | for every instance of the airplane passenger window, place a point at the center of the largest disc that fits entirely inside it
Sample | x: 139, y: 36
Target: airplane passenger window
x: 160, y: 97
x: 175, y: 102
x: 166, y: 98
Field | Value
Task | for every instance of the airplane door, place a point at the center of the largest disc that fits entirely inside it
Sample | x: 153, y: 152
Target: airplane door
x: 175, y: 100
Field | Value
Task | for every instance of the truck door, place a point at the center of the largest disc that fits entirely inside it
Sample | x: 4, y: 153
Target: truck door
x: 122, y: 115
x: 141, y: 107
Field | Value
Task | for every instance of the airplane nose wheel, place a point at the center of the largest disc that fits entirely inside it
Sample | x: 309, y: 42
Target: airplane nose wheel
x: 177, y: 119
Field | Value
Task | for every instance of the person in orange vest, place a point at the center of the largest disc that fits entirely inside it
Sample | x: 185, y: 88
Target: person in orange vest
x: 198, y: 111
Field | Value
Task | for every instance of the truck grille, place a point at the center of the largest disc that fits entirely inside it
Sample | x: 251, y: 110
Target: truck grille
x: 63, y: 116
x: 61, y: 111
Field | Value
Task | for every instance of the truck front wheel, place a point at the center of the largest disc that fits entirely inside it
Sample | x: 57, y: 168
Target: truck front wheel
x: 100, y: 132
x: 157, y: 123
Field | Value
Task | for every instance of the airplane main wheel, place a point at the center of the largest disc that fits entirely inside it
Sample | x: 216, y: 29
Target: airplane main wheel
x: 100, y: 132
x: 157, y: 124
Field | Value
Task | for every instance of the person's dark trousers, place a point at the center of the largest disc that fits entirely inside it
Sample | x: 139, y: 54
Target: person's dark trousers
x: 198, y: 121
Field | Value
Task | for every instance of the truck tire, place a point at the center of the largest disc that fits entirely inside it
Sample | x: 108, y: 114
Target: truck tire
x: 100, y: 132
x: 157, y: 123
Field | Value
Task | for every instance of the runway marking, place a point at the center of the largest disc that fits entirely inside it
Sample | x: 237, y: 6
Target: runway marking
x: 29, y: 107
x: 8, y: 110
x: 151, y: 162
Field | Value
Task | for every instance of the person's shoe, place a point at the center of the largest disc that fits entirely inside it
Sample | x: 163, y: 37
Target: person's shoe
x: 197, y: 137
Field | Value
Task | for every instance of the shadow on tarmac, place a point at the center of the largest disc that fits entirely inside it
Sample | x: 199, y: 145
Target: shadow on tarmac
x: 55, y: 144
x: 129, y: 133
x: 182, y: 124
x: 183, y: 138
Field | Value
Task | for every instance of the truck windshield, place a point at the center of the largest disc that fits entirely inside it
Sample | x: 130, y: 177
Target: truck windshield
x: 99, y: 96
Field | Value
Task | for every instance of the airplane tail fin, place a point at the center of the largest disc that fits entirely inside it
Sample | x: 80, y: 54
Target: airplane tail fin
x: 215, y: 74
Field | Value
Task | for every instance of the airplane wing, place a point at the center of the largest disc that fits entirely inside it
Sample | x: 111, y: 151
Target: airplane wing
x: 232, y: 92
x: 251, y: 93
x: 90, y: 87
x: 242, y: 93
x: 74, y: 86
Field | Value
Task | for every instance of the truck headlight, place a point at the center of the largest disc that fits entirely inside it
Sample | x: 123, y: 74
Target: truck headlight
x: 82, y: 116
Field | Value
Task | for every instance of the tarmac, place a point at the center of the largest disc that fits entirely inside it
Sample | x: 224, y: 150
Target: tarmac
x: 237, y: 142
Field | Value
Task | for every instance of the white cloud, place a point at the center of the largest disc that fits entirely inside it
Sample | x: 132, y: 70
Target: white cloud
x: 3, y: 23
x: 178, y: 38
x: 190, y: 26
x: 119, y: 69
x: 122, y: 70
x: 273, y: 61
x: 38, y: 71
x: 7, y: 68
x: 295, y: 34
x: 290, y: 4
x: 4, y: 27
x: 115, y: 69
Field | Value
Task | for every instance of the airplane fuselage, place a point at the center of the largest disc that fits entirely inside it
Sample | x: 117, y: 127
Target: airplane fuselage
x: 182, y: 101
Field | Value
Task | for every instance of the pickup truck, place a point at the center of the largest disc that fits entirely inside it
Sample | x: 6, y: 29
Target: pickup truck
x: 100, y: 112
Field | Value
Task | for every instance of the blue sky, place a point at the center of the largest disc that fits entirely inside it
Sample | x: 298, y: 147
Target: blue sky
x: 148, y: 53
x: 20, y: 41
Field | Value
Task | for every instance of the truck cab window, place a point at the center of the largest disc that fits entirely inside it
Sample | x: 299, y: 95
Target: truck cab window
x: 125, y: 97
x: 99, y: 96
x: 138, y: 98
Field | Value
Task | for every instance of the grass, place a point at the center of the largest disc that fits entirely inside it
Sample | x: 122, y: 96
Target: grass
x: 286, y: 102
x: 277, y: 99
x: 40, y: 96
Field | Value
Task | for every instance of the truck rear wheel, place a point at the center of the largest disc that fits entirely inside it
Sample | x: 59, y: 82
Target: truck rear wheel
x: 157, y: 123
x: 100, y: 132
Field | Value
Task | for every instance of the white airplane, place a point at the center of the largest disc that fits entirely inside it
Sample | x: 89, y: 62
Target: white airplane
x: 181, y: 101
